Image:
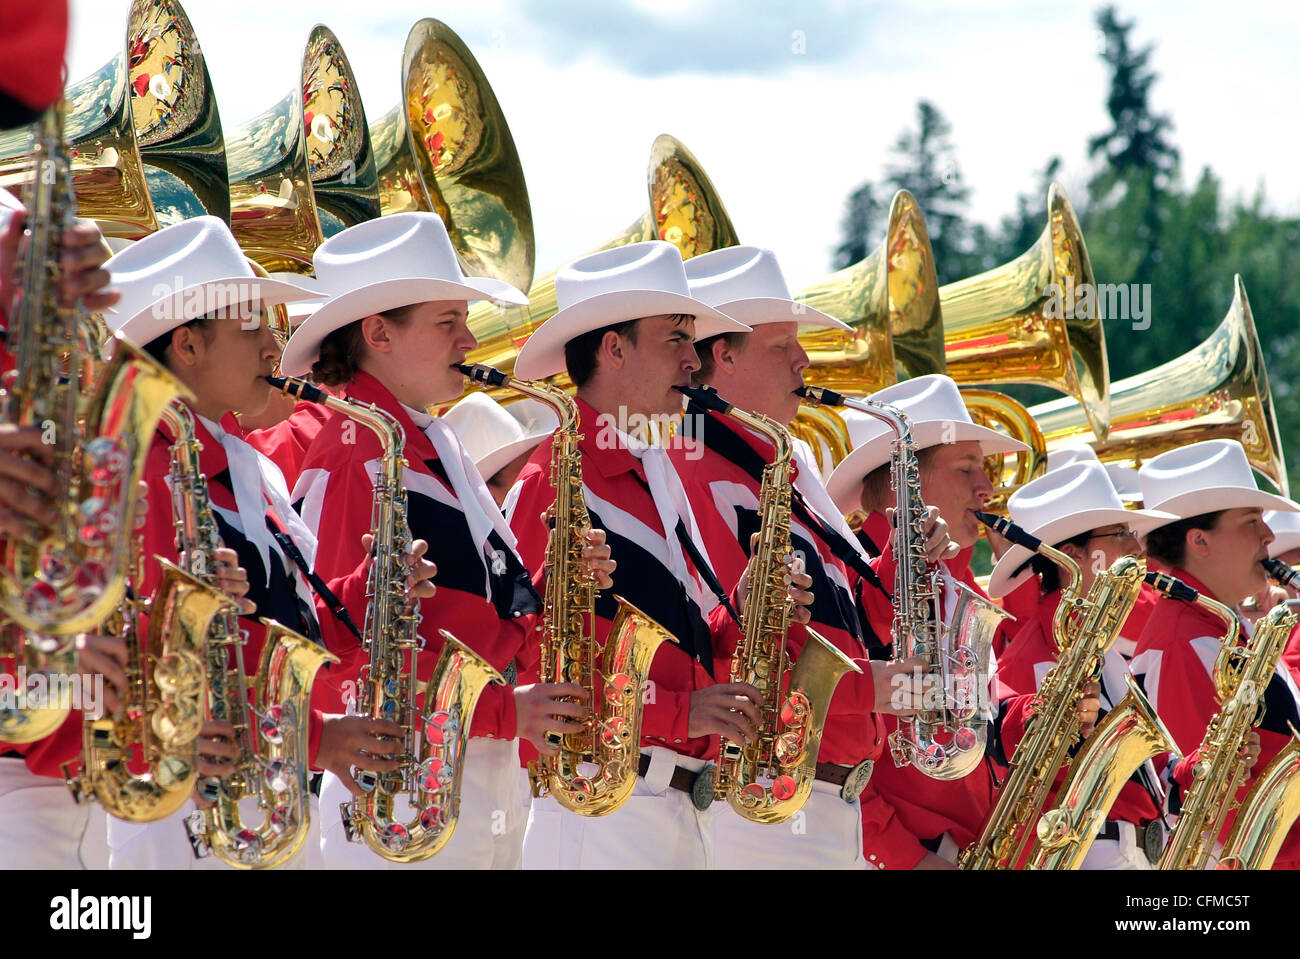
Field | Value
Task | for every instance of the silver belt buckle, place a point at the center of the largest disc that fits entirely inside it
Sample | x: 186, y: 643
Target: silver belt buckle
x: 857, y: 780
x: 702, y: 789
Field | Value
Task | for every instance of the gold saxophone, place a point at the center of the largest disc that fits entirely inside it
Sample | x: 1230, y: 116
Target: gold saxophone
x: 945, y: 738
x: 67, y: 578
x: 1128, y: 736
x: 435, y: 736
x: 163, y: 709
x: 770, y: 779
x: 1085, y: 629
x: 1241, y: 674
x: 1266, y: 814
x: 614, y: 676
x: 271, y: 732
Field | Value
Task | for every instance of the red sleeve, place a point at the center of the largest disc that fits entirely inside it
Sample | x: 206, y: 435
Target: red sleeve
x: 1016, y: 712
x: 315, y: 725
x: 1022, y: 603
x: 886, y: 842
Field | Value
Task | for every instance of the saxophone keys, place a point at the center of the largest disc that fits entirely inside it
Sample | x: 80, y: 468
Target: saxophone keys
x: 794, y: 710
x: 615, y: 732
x: 175, y: 725
x: 789, y: 747
x: 282, y: 819
x: 435, y: 775
x: 618, y: 688
x: 179, y: 674
x: 107, y: 458
x: 964, y: 739
x: 279, y: 775
x: 277, y: 722
x: 394, y: 836
x: 171, y: 771
x: 440, y: 728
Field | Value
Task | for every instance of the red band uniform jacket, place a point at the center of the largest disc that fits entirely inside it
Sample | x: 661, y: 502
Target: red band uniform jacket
x: 620, y: 503
x: 334, y: 493
x: 1174, y: 663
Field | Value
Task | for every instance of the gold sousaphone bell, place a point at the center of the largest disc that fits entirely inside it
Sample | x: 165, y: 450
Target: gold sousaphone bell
x: 446, y: 149
x: 1000, y: 326
x: 304, y: 169
x: 684, y: 209
x: 144, y: 130
x: 1219, y: 390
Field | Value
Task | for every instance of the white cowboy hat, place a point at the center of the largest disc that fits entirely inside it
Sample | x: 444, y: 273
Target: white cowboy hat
x: 1204, y: 478
x: 1060, y: 505
x: 615, y: 286
x: 1285, y: 527
x: 183, y: 272
x: 494, y: 435
x: 380, y: 265
x: 1124, y: 479
x: 938, y: 416
x: 746, y: 283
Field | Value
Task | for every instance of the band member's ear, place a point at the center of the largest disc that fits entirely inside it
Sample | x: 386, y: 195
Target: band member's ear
x: 612, y: 349
x: 375, y: 331
x: 1198, y: 542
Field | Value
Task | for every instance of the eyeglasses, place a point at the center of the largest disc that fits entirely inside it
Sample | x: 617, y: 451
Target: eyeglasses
x: 1122, y: 534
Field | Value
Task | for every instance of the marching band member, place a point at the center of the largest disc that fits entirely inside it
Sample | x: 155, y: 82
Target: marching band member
x: 394, y: 325
x: 40, y: 826
x: 1216, y: 547
x: 919, y: 822
x: 759, y: 372
x: 624, y: 332
x: 191, y: 301
x: 1076, y: 509
x: 500, y: 438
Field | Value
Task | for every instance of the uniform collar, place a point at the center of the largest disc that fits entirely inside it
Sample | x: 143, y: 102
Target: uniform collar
x: 609, y: 458
x: 366, y: 389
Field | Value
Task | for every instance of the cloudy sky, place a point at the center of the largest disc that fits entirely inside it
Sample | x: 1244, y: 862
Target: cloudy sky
x: 788, y: 106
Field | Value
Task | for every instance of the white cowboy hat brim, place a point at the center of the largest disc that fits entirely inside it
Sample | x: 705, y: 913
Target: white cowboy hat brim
x: 1005, y: 579
x: 846, y: 479
x: 543, y: 354
x: 338, y: 311
x: 493, y: 462
x: 1215, y: 499
x: 759, y: 310
x: 168, y: 312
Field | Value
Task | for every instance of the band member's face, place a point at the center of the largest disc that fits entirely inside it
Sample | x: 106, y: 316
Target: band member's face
x: 762, y: 372
x: 1106, y: 545
x: 957, y: 485
x: 662, y: 357
x: 415, y: 358
x: 1236, y: 547
x: 227, y: 363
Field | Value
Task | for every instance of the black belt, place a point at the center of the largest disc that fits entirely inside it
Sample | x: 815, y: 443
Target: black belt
x: 1150, y: 837
x: 12, y: 754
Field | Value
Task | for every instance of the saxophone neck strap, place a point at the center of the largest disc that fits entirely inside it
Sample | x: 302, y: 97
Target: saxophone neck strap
x: 732, y: 447
x: 317, y: 584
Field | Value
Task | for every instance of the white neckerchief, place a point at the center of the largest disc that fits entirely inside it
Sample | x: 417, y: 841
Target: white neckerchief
x: 670, y: 502
x: 255, y: 480
x: 482, y: 514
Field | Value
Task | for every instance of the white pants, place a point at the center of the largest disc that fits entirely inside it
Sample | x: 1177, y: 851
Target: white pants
x: 1121, y: 853
x: 489, y: 832
x: 41, y: 827
x: 657, y: 828
x: 825, y: 834
x: 166, y: 845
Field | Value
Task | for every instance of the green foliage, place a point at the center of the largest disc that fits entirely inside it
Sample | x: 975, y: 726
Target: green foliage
x: 1143, y: 224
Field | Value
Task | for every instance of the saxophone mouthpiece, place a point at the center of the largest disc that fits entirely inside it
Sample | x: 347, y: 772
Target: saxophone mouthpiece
x: 298, y: 388
x: 1171, y: 586
x: 1017, y: 534
x: 820, y: 396
x: 483, y: 374
x: 706, y: 396
x: 1281, y: 572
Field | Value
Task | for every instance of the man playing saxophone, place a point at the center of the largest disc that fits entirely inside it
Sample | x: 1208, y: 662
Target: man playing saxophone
x: 390, y: 334
x: 760, y: 372
x: 624, y: 333
x: 1076, y: 509
x: 193, y: 303
x: 918, y: 821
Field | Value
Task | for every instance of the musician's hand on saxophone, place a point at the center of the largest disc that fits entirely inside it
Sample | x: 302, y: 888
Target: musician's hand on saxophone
x: 104, y: 656
x: 549, y: 708
x: 797, y: 581
x: 218, y: 749
x: 938, y: 545
x: 727, y: 709
x: 357, y: 741
x: 82, y: 276
x: 1089, y: 707
x: 232, y: 579
x: 900, y: 685
x: 1250, y: 752
x: 596, y: 555
x: 26, y: 484
x: 419, y: 581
